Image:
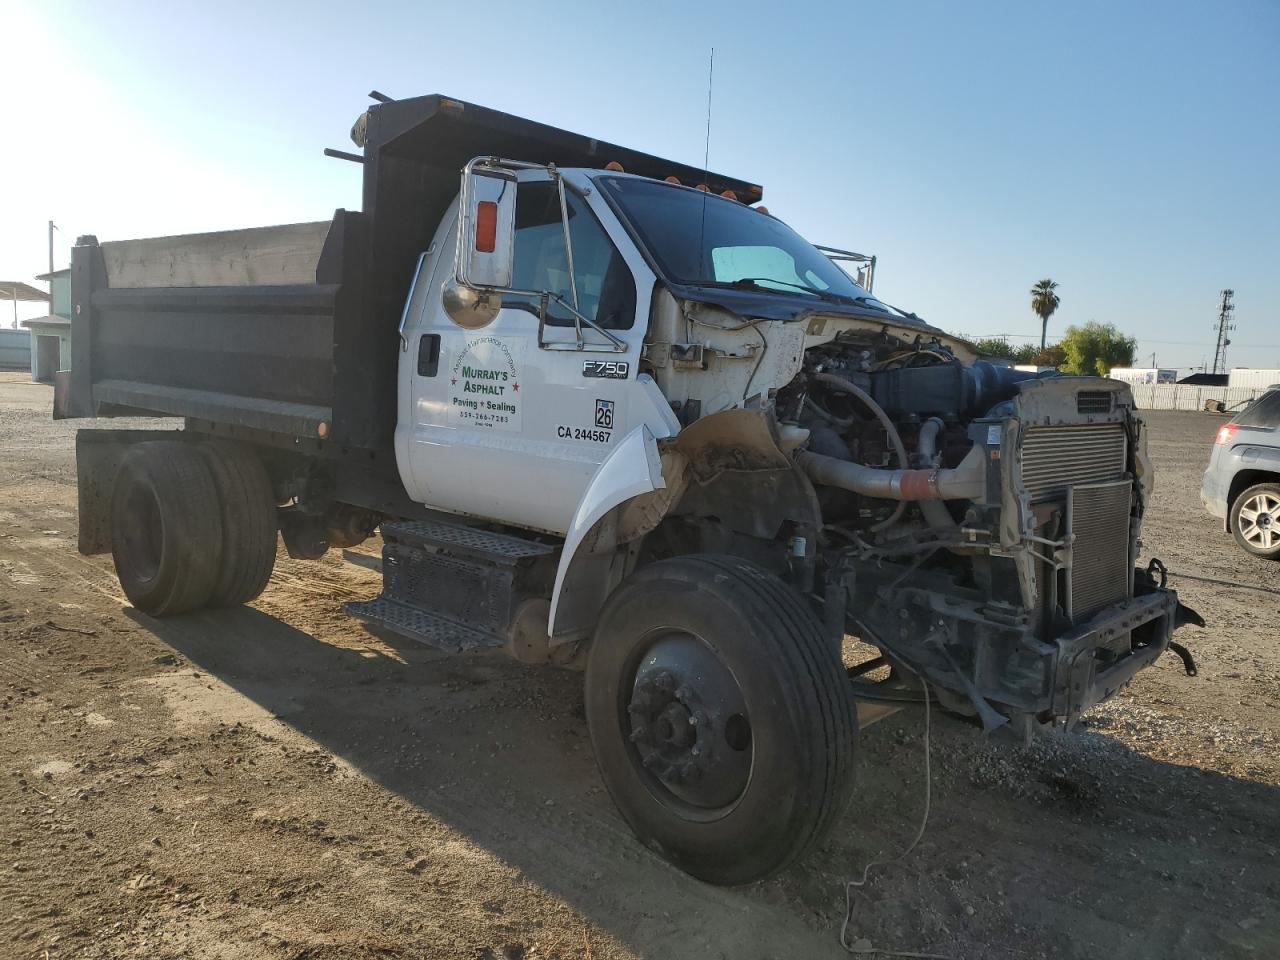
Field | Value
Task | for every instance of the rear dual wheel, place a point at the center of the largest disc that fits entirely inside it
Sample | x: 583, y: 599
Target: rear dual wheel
x: 249, y: 527
x: 192, y: 525
x: 720, y: 717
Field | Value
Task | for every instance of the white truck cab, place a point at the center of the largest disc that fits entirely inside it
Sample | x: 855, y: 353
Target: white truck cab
x: 528, y: 407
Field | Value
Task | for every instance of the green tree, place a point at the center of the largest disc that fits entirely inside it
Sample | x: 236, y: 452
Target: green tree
x: 1025, y: 354
x: 995, y: 347
x: 1044, y: 301
x: 1092, y: 350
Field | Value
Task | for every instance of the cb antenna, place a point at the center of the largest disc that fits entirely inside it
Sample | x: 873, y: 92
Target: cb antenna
x: 706, y: 172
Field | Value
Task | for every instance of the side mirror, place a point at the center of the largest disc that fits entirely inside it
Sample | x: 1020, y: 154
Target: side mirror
x: 484, y: 259
x: 486, y: 229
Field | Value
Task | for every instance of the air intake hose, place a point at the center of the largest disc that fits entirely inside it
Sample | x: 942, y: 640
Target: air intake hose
x: 965, y: 482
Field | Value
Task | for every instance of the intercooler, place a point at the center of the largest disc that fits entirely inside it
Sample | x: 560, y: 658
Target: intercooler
x: 1086, y: 465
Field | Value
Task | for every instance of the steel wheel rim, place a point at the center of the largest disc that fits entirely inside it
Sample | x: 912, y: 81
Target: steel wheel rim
x: 1259, y: 520
x: 687, y: 726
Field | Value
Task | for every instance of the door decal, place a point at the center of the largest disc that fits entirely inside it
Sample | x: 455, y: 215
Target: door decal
x: 484, y: 384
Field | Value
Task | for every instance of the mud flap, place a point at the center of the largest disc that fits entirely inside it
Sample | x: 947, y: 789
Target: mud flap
x: 98, y: 457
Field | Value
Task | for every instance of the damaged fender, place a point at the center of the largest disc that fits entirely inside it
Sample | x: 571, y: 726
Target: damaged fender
x: 632, y: 469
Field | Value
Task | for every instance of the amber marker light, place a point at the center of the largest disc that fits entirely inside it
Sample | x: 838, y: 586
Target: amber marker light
x: 486, y: 226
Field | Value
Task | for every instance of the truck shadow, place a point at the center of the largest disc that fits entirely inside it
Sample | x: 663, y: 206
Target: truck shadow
x: 1055, y: 842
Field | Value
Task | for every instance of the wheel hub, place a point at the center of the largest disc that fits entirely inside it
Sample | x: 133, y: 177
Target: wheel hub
x: 688, y: 723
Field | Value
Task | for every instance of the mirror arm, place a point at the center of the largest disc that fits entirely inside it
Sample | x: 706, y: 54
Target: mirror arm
x: 568, y: 243
x: 544, y: 301
x: 619, y: 346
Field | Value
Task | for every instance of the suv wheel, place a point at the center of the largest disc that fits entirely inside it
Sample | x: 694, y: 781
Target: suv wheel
x: 1255, y: 520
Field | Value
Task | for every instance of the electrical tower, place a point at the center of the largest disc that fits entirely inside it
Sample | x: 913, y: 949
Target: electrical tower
x: 1224, y: 327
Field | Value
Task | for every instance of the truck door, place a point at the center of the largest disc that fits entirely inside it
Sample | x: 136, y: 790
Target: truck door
x: 495, y: 424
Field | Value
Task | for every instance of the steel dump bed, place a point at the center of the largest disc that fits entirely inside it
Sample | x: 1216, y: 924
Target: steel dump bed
x: 290, y: 332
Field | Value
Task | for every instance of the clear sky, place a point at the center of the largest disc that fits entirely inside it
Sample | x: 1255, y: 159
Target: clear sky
x: 1130, y: 151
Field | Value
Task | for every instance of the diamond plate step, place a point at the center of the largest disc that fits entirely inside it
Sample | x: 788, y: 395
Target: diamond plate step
x: 461, y: 540
x: 421, y: 625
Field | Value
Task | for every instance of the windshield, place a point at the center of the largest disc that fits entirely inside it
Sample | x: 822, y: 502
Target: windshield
x: 698, y: 238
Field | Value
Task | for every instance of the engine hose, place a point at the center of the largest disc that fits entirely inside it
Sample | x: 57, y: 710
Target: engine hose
x: 935, y: 513
x: 895, y: 439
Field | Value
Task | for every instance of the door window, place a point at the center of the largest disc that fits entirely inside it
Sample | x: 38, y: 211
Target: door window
x: 606, y: 290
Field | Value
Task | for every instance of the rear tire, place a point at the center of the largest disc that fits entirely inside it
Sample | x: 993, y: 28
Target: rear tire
x: 249, y: 529
x: 720, y: 717
x: 166, y: 532
x: 1255, y: 520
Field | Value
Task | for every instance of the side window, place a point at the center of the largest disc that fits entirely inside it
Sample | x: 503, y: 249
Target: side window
x: 606, y: 289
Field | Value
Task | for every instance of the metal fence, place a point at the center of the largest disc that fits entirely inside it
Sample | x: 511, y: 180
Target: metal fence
x: 15, y: 350
x: 1186, y: 396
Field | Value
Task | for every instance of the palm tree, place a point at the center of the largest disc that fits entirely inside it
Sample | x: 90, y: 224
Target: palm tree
x: 1044, y: 302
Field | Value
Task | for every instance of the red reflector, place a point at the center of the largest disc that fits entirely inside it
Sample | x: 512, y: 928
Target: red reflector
x: 486, y: 226
x: 1226, y: 432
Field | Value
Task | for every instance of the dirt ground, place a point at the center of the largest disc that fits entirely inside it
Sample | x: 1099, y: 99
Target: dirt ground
x: 276, y: 782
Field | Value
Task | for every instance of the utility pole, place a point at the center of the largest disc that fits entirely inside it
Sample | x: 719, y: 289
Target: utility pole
x: 52, y: 227
x: 1224, y: 327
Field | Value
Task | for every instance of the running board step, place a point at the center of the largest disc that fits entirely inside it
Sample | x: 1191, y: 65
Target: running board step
x: 422, y: 625
x: 455, y: 587
x: 463, y: 541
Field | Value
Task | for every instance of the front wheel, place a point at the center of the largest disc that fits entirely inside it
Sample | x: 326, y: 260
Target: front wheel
x: 1255, y: 520
x: 720, y: 717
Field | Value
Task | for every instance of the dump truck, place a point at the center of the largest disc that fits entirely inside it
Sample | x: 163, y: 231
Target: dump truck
x: 605, y: 410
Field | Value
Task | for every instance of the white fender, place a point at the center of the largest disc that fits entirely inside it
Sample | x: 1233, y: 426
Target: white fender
x: 632, y: 468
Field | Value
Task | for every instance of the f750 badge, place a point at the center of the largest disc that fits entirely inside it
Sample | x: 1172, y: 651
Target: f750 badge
x: 606, y: 369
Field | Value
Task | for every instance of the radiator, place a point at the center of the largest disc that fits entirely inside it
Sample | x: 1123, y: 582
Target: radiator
x: 1101, y: 571
x: 1057, y: 457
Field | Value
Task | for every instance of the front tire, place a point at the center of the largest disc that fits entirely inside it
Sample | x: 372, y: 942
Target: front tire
x: 166, y: 531
x: 720, y: 717
x: 1255, y: 520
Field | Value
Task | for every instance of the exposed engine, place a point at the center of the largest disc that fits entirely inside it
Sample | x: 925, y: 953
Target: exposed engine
x: 880, y: 403
x: 979, y: 525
